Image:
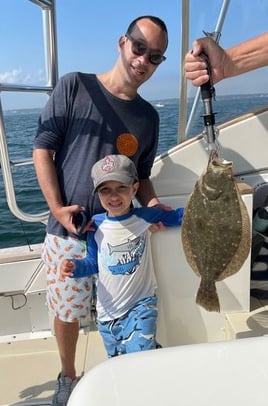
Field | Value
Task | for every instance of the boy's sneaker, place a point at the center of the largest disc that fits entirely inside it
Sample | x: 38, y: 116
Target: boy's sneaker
x: 64, y: 387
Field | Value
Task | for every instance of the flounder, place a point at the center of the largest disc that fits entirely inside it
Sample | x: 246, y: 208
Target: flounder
x: 215, y: 232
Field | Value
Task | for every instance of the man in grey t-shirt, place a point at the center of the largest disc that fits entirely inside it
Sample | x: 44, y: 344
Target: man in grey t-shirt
x: 87, y: 117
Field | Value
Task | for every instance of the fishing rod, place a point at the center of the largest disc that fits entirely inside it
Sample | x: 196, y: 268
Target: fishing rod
x: 208, y: 94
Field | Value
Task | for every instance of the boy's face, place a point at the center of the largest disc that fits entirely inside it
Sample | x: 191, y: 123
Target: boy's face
x: 116, y: 197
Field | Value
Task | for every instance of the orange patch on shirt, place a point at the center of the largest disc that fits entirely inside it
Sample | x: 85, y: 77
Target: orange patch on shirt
x: 127, y: 144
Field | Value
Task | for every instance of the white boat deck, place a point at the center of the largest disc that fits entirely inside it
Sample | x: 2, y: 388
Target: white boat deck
x: 29, y: 368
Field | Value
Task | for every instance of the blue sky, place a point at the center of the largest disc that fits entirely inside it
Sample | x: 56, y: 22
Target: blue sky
x: 88, y: 35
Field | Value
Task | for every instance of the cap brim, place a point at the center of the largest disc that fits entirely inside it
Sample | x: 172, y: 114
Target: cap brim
x: 122, y: 178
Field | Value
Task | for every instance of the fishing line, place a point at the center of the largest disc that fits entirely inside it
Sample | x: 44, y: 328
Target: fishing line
x: 25, y: 236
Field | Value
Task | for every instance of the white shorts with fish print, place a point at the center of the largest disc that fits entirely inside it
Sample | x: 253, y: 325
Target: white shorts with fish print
x: 69, y: 300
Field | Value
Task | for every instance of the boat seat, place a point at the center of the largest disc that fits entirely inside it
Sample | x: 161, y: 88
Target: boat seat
x: 187, y: 374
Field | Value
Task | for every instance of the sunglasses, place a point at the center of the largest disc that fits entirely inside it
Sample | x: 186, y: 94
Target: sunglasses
x: 139, y: 48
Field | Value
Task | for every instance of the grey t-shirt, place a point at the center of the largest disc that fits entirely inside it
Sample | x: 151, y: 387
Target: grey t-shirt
x: 83, y: 122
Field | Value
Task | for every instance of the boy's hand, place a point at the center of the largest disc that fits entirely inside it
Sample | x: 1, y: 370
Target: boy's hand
x: 157, y: 227
x: 66, y: 269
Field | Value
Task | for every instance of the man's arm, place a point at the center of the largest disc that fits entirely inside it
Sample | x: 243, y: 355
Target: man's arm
x: 247, y: 56
x: 241, y: 58
x: 48, y: 181
x: 47, y: 178
x: 147, y: 197
x: 146, y: 194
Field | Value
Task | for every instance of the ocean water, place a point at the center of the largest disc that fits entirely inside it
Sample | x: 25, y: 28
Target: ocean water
x: 21, y: 127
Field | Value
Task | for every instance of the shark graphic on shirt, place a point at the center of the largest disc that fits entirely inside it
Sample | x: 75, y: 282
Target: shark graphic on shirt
x: 127, y: 256
x: 128, y: 246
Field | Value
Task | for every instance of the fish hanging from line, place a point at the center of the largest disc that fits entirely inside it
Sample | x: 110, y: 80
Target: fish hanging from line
x: 215, y: 232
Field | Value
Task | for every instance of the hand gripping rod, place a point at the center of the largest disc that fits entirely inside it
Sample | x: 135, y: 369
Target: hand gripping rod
x: 207, y: 94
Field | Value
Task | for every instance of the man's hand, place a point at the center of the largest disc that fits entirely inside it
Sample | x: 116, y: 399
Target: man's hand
x: 67, y: 216
x: 196, y: 68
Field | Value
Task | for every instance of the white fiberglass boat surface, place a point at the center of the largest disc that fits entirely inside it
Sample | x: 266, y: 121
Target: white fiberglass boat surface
x: 202, y: 359
x: 217, y: 374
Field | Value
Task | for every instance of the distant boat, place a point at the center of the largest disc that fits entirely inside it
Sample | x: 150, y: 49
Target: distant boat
x: 159, y: 104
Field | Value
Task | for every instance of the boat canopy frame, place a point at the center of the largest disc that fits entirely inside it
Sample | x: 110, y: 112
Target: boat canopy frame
x: 51, y: 62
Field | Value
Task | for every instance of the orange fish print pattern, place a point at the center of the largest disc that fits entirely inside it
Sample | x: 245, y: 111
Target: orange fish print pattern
x: 68, y: 300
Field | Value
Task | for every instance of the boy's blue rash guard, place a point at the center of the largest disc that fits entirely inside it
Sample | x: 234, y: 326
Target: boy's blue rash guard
x: 120, y: 251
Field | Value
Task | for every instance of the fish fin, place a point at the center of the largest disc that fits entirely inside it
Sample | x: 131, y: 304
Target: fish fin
x: 207, y: 296
x: 243, y: 249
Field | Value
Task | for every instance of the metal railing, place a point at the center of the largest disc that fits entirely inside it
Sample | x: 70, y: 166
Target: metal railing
x: 51, y: 61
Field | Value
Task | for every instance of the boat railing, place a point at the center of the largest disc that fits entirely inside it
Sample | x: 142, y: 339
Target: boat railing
x: 51, y: 62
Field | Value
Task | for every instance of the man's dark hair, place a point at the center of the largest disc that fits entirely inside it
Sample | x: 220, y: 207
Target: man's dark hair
x: 154, y: 19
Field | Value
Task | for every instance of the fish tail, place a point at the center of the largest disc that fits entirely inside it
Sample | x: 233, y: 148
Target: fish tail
x: 207, y: 296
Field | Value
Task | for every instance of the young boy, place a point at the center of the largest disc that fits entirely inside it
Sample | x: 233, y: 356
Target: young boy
x: 119, y: 251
